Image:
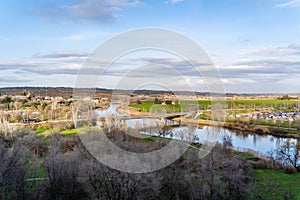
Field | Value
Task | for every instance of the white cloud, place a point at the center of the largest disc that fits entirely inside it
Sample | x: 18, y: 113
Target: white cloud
x: 63, y: 62
x: 226, y: 81
x: 237, y: 81
x: 62, y: 54
x: 264, y: 69
x: 187, y: 84
x: 87, y: 10
x: 292, y: 3
x: 85, y: 35
x: 293, y: 49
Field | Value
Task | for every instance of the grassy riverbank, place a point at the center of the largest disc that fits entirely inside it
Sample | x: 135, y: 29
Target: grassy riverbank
x: 272, y: 184
x: 242, y: 126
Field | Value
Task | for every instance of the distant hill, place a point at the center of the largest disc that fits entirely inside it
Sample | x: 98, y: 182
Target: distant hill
x: 68, y: 91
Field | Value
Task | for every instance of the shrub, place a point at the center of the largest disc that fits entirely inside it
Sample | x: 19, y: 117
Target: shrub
x: 42, y: 128
x: 290, y: 169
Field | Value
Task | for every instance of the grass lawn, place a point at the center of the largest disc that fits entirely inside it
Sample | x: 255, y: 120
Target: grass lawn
x: 69, y: 132
x: 41, y: 128
x: 246, y: 155
x: 183, y: 105
x: 145, y: 106
x: 275, y: 182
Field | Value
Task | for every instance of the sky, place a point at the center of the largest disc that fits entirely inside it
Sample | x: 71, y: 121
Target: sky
x: 254, y: 44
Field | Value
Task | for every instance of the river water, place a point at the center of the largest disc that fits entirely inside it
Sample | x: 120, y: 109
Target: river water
x: 240, y: 140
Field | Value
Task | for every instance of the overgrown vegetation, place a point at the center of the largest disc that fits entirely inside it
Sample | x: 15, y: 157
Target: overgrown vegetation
x: 61, y: 168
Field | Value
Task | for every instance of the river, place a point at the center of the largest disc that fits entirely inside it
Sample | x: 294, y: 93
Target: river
x: 241, y: 140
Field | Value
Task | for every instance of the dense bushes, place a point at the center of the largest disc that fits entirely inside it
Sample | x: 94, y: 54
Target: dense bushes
x: 13, y: 166
x: 290, y: 169
x: 65, y: 171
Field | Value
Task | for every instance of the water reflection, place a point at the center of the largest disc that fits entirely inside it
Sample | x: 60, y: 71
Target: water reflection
x: 240, y: 139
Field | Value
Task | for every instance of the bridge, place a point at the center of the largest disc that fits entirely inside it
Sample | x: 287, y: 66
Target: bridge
x: 148, y: 116
x: 161, y: 116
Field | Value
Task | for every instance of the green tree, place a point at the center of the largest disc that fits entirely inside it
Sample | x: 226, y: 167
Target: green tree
x: 44, y: 105
x: 157, y: 101
x: 7, y: 100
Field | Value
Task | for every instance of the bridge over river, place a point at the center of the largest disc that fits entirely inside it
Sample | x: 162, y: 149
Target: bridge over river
x: 148, y: 116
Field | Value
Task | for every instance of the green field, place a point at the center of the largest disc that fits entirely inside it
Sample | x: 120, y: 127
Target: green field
x: 182, y: 106
x: 272, y: 184
x: 145, y: 106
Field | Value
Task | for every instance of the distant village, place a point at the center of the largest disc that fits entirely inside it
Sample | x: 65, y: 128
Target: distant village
x: 42, y: 104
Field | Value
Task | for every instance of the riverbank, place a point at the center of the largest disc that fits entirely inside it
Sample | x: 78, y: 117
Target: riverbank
x: 258, y: 129
x: 237, y: 124
x: 130, y: 111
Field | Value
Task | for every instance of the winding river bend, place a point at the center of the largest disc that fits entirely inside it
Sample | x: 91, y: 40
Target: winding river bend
x: 241, y: 140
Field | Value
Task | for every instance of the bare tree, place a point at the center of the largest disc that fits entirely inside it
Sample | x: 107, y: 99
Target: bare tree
x: 289, y: 120
x: 6, y: 128
x: 13, y: 166
x: 289, y: 154
x: 227, y: 141
x: 4, y: 125
x: 218, y: 112
x: 273, y: 157
x: 217, y: 176
x: 106, y: 183
x: 62, y: 170
x: 237, y: 178
x: 298, y: 123
x: 34, y: 144
x: 278, y: 121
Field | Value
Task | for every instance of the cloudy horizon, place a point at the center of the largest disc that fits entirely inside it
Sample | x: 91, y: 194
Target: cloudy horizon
x: 255, y: 45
